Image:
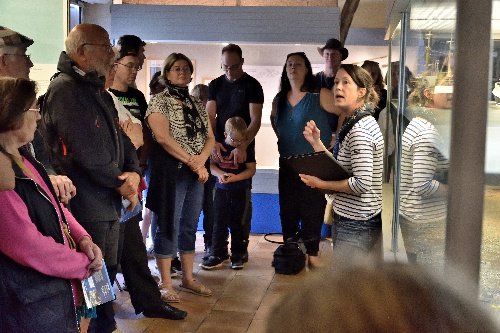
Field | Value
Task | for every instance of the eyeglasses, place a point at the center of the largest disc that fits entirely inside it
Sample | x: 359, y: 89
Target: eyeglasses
x: 130, y: 66
x: 179, y: 69
x: 33, y: 110
x: 27, y: 56
x: 109, y: 47
x: 229, y: 68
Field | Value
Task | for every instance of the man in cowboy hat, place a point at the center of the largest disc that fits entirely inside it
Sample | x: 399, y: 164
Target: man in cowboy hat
x: 333, y: 53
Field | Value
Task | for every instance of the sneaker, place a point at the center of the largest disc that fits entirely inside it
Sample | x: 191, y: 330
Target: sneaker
x: 207, y: 255
x: 150, y: 252
x: 237, y: 263
x: 173, y: 272
x: 176, y: 265
x: 211, y: 262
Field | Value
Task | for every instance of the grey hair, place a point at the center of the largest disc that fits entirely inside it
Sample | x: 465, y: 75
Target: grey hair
x: 73, y: 41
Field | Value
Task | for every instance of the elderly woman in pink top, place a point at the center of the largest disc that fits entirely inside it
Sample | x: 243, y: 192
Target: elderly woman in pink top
x: 44, y: 252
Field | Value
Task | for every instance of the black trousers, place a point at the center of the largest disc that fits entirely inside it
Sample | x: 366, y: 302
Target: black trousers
x: 301, y: 209
x: 143, y: 290
x: 105, y: 234
x: 208, y: 210
x: 229, y: 208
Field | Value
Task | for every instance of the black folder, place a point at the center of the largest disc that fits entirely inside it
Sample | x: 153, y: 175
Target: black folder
x: 318, y: 164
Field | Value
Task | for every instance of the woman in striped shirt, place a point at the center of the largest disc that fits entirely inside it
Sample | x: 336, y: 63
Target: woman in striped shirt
x: 359, y: 147
x: 424, y: 174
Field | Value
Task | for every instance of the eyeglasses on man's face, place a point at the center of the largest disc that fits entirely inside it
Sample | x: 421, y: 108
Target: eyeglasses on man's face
x: 230, y: 68
x: 130, y: 66
x: 178, y: 69
x: 25, y: 56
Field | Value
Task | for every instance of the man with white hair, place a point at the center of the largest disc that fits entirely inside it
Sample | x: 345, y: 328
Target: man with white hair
x: 87, y: 144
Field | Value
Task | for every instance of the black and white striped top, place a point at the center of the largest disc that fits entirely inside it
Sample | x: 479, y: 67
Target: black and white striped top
x: 422, y: 159
x: 362, y: 153
x: 172, y: 109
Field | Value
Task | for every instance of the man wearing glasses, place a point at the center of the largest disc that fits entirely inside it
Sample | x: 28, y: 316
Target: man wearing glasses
x: 235, y: 94
x: 14, y: 62
x: 80, y: 124
x: 127, y: 66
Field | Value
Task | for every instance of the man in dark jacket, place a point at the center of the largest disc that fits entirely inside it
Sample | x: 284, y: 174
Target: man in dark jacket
x: 81, y: 127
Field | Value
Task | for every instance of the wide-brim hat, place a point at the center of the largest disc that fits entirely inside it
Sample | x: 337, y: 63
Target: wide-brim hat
x: 334, y: 44
x: 10, y: 37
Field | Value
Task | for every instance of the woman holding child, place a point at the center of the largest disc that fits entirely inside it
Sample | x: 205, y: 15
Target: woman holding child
x: 294, y: 105
x: 182, y: 143
x: 359, y: 147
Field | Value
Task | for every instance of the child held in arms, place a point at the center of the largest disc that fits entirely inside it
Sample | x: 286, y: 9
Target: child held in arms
x: 232, y: 186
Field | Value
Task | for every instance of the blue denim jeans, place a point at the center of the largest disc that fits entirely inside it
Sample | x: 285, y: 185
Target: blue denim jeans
x: 361, y: 235
x: 188, y: 203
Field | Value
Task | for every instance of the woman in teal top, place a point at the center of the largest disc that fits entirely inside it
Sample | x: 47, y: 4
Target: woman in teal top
x: 299, y: 100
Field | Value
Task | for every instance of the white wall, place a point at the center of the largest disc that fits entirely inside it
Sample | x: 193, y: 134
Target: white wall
x: 207, y: 57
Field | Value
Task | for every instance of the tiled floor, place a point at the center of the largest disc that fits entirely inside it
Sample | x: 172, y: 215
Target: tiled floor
x: 240, y: 302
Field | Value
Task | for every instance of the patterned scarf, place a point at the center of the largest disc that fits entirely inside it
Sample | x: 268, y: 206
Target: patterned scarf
x: 192, y: 119
x: 361, y: 112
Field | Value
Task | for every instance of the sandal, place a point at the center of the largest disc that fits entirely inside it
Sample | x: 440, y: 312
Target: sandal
x: 196, y: 288
x: 168, y: 294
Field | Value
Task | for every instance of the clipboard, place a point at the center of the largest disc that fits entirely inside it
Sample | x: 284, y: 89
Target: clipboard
x: 318, y: 164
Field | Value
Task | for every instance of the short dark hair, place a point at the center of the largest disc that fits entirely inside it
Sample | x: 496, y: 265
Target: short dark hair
x: 130, y: 42
x: 16, y: 96
x: 233, y: 48
x: 379, y: 81
x: 155, y: 81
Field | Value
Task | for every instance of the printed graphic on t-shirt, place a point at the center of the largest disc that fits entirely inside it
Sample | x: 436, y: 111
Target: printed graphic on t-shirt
x: 228, y: 164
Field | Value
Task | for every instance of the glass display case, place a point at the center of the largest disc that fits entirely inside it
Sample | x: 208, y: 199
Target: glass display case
x: 421, y: 84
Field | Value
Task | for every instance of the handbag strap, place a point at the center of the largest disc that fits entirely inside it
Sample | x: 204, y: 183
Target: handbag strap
x: 300, y: 241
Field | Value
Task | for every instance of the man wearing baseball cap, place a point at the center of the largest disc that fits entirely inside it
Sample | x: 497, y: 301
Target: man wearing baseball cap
x: 14, y: 61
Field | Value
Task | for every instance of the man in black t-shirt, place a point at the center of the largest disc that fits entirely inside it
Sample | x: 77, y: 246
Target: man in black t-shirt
x: 333, y: 53
x: 144, y: 293
x: 235, y: 94
x: 127, y: 67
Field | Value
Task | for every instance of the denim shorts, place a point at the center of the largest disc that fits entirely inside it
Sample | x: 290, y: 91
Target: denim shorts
x: 362, y: 235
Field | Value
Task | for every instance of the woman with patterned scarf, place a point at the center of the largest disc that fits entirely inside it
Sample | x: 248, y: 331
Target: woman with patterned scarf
x: 359, y: 146
x: 182, y: 142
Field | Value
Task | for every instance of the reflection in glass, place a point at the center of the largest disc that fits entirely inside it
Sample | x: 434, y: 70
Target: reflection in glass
x: 424, y: 170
